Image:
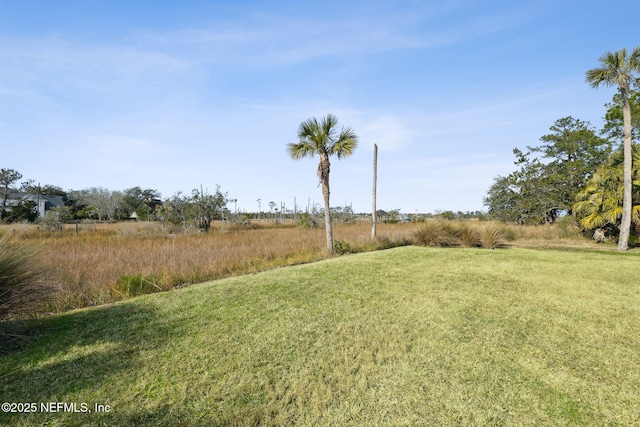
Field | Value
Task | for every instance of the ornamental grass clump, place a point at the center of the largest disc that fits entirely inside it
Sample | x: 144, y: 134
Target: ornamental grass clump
x: 492, y: 236
x: 19, y: 272
x: 451, y: 234
x: 469, y: 235
x: 436, y: 233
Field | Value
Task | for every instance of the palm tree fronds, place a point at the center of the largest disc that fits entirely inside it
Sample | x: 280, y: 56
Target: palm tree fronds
x: 300, y: 150
x: 345, y: 144
x: 612, y: 215
x: 584, y: 207
x: 592, y: 221
x: 635, y: 215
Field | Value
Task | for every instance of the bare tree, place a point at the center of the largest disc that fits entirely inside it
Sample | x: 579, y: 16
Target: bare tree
x: 102, y: 202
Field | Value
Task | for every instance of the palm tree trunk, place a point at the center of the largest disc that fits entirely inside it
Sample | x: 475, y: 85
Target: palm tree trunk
x: 327, y: 216
x: 625, y: 225
x: 324, y: 178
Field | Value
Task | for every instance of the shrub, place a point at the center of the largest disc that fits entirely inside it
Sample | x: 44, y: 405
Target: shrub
x: 55, y: 218
x: 569, y: 227
x: 242, y: 222
x: 306, y: 220
x: 24, y: 210
x: 341, y: 247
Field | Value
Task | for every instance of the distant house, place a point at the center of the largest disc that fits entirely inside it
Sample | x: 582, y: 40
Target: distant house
x: 43, y: 202
x: 382, y: 215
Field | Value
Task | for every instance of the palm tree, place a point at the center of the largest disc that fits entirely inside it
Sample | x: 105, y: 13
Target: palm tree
x: 618, y: 69
x: 600, y: 203
x: 323, y: 139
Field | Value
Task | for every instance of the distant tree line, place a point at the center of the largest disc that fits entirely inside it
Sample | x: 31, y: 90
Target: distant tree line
x: 197, y: 210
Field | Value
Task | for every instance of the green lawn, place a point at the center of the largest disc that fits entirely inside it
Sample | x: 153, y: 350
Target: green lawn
x: 409, y: 336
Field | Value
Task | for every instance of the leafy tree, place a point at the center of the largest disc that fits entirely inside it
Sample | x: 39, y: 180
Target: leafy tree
x: 203, y: 208
x: 199, y: 210
x: 343, y: 214
x: 548, y: 176
x: 448, y: 215
x: 524, y: 196
x: 24, y: 210
x: 322, y: 138
x: 145, y: 213
x: 599, y: 205
x: 393, y: 216
x: 142, y: 202
x: 503, y: 199
x: 7, y: 177
x: 618, y: 69
x: 174, y: 210
x: 574, y: 151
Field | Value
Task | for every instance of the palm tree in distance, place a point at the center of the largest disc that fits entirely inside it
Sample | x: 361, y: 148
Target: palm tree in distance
x: 618, y: 69
x: 322, y: 138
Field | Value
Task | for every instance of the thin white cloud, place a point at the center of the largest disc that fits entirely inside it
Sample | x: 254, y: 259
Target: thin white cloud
x: 51, y: 62
x: 273, y: 39
x: 388, y: 132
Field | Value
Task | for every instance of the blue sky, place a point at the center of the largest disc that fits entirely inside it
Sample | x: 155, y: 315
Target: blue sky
x: 174, y: 95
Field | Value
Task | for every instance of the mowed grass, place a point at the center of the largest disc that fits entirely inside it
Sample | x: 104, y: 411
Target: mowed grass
x: 403, y: 337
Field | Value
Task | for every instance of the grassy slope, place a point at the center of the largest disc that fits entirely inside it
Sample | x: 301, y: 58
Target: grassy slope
x: 409, y: 336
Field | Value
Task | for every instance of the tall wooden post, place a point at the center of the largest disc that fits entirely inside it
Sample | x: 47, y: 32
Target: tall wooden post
x: 375, y: 183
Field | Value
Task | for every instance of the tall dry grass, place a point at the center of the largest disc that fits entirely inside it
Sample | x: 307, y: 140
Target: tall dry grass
x: 102, y: 263
x: 20, y: 290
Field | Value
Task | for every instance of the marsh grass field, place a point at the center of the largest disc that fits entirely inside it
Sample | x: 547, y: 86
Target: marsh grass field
x: 102, y: 263
x: 406, y: 336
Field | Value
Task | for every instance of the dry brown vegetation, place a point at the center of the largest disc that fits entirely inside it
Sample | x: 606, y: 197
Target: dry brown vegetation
x: 101, y: 263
